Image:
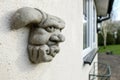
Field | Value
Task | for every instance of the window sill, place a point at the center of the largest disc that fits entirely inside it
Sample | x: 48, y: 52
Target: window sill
x: 88, y: 59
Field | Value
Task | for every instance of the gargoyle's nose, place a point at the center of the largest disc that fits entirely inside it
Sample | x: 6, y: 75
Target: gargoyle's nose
x: 57, y: 38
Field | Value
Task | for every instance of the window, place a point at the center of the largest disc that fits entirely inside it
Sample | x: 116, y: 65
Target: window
x: 89, y: 29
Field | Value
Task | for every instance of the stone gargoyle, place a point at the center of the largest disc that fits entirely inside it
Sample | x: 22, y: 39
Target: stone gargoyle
x: 45, y: 33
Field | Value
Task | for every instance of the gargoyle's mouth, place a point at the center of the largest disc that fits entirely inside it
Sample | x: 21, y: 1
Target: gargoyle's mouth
x: 54, y: 49
x: 51, y: 43
x: 42, y: 53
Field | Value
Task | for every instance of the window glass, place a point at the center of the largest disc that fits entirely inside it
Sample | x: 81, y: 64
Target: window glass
x: 85, y: 25
x: 85, y: 34
x: 94, y: 25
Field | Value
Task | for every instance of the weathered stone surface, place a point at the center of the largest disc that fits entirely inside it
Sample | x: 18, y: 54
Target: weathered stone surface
x: 25, y: 16
x: 45, y: 33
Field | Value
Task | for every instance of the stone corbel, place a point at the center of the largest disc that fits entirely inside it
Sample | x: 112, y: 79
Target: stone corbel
x: 45, y: 33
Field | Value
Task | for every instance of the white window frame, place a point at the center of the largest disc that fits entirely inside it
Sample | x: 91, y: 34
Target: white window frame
x: 91, y: 20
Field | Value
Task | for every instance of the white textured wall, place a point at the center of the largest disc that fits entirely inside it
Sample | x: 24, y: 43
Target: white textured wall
x: 67, y: 65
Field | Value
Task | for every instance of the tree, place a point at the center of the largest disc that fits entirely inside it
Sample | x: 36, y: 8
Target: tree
x: 104, y: 30
x: 108, y: 26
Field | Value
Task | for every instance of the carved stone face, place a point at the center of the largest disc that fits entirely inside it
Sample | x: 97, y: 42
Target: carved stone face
x: 44, y: 40
x: 45, y: 33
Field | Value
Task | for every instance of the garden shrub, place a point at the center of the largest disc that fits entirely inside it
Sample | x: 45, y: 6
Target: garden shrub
x: 118, y: 37
x: 110, y: 39
x: 100, y: 39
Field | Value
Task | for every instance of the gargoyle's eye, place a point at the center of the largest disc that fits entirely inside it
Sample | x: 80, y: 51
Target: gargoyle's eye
x: 50, y: 28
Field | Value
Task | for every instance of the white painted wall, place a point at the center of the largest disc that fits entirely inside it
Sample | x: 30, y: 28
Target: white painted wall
x: 67, y: 65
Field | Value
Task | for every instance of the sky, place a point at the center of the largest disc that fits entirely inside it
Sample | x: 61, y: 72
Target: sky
x: 116, y: 10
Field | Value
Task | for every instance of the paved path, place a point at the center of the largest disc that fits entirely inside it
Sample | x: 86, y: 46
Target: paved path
x: 114, y: 62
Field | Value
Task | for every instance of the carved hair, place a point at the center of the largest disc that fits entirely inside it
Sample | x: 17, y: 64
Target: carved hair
x: 25, y: 16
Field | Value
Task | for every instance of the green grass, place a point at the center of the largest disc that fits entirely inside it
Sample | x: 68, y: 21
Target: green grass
x: 114, y: 48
